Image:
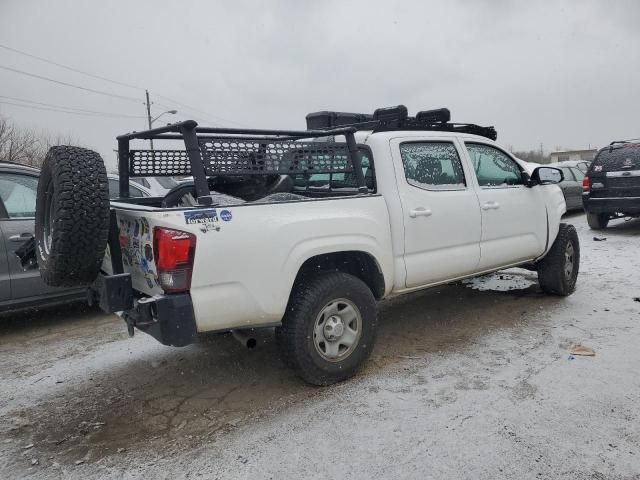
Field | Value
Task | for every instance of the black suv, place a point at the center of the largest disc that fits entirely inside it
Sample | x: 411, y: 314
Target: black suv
x: 611, y: 188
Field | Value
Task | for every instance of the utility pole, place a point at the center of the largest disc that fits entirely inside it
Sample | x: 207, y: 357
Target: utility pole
x: 149, y: 116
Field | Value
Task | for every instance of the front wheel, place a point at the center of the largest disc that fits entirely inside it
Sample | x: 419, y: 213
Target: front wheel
x: 329, y: 328
x: 597, y: 221
x: 558, y: 270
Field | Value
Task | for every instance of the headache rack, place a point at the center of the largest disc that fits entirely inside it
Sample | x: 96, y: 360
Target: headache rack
x: 231, y: 152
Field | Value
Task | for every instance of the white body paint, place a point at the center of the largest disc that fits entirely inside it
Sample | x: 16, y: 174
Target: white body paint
x: 245, y: 269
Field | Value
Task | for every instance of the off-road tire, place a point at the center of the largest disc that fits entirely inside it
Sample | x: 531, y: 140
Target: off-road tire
x: 597, y: 221
x: 552, y: 269
x: 295, y: 336
x: 72, y: 216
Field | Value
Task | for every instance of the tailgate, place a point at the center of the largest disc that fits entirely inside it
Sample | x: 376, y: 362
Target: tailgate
x: 620, y: 184
x: 135, y: 236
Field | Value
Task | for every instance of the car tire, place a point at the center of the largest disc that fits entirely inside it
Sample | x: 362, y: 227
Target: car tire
x: 597, y: 221
x: 558, y: 270
x: 72, y: 216
x: 329, y: 328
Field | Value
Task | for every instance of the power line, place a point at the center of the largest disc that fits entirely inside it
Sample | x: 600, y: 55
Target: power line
x: 107, y: 115
x: 51, y: 62
x: 116, y: 82
x: 70, y: 108
x: 100, y: 92
x: 202, y: 112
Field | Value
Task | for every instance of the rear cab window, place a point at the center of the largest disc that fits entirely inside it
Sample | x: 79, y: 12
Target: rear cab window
x: 338, y: 181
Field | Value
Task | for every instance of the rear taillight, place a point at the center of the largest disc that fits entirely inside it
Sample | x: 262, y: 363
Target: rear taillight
x: 174, y: 251
x: 586, y: 185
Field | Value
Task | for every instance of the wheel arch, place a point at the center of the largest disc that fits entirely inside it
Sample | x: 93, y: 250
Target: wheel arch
x: 360, y: 264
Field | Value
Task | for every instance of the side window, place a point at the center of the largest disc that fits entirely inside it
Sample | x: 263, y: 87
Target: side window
x: 18, y: 193
x: 135, y: 192
x: 114, y: 190
x: 493, y: 167
x: 568, y: 176
x: 141, y: 181
x: 579, y: 174
x: 432, y: 165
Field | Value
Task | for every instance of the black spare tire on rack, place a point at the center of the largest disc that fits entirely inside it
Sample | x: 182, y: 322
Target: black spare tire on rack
x: 72, y: 216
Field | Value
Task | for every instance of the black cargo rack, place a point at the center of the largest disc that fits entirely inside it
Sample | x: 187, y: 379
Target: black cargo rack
x: 232, y: 151
x: 623, y: 143
x: 395, y: 119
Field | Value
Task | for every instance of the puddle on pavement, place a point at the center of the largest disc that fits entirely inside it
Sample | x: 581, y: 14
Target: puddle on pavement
x: 181, y: 397
x: 514, y: 279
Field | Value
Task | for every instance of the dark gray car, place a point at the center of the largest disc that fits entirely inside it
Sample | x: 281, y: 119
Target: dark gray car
x: 571, y: 186
x: 20, y: 288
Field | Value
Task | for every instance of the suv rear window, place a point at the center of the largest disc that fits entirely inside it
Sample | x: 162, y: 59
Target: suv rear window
x: 625, y: 157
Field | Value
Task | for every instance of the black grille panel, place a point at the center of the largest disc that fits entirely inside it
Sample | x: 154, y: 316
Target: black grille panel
x: 158, y: 163
x: 256, y: 157
x: 233, y: 156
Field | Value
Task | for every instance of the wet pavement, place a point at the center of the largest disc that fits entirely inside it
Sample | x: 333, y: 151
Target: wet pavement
x: 471, y: 380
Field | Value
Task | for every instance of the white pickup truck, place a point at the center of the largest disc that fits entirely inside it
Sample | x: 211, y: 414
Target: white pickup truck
x: 299, y: 230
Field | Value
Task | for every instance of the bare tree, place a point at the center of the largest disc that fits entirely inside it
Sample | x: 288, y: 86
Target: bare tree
x: 27, y: 146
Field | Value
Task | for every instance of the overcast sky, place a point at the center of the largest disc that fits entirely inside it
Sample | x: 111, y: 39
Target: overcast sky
x: 564, y: 74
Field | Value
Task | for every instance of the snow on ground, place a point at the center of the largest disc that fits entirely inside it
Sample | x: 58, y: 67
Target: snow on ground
x: 467, y: 381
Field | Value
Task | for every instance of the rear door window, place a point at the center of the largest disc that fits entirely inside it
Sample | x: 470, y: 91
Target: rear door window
x: 432, y: 165
x: 18, y: 193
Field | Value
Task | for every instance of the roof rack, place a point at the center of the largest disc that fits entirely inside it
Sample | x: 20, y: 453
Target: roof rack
x: 622, y: 143
x: 394, y: 119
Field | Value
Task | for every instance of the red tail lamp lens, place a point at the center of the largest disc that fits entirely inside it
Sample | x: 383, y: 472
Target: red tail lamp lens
x: 174, y: 251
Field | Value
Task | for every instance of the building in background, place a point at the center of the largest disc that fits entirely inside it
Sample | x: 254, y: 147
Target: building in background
x: 573, y: 155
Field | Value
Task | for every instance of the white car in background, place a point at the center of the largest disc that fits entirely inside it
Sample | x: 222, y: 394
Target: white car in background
x: 158, y: 186
x: 135, y: 190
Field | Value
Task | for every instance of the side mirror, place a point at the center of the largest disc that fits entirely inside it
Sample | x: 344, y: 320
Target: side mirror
x: 546, y: 176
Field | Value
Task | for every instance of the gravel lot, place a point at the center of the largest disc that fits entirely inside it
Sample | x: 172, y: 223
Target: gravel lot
x: 467, y: 381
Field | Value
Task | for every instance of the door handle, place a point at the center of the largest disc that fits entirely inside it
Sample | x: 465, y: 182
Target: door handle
x: 23, y: 237
x: 491, y: 206
x: 420, y: 212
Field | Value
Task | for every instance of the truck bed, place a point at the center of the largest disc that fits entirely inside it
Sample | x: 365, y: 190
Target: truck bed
x: 241, y: 250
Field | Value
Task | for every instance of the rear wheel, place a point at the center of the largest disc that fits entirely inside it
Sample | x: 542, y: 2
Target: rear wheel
x: 72, y: 216
x: 329, y: 328
x: 597, y: 221
x: 558, y: 270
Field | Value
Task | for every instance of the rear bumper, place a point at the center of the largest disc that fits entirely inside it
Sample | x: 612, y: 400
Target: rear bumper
x: 167, y: 318
x: 623, y: 205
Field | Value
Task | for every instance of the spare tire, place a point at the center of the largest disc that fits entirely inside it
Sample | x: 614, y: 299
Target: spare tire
x: 72, y: 216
